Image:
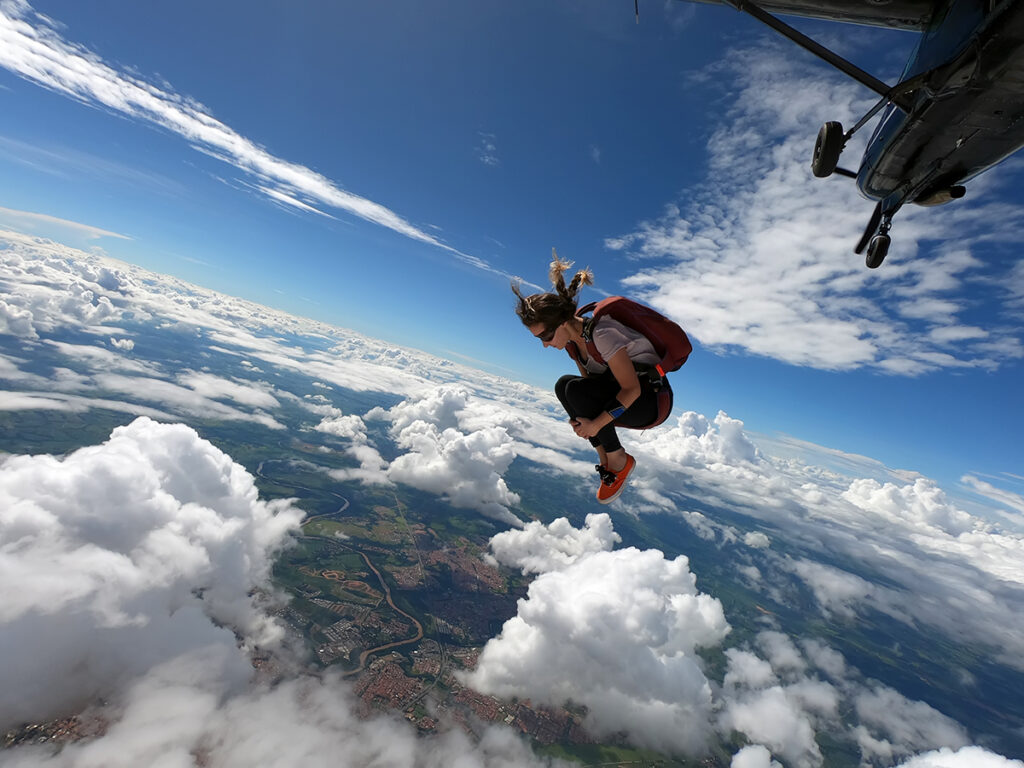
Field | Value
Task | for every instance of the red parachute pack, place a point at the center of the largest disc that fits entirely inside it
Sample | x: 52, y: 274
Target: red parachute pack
x: 667, y: 338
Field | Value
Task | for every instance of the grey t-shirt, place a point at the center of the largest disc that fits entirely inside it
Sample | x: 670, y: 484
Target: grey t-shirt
x: 610, y: 336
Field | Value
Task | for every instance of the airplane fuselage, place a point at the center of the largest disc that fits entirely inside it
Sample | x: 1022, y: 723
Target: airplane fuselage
x: 967, y: 113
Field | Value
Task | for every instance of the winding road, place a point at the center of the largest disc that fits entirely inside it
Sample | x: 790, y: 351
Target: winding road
x: 380, y: 578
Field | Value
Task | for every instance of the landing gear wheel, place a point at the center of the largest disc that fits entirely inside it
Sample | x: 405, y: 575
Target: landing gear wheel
x: 877, y: 250
x: 827, y: 149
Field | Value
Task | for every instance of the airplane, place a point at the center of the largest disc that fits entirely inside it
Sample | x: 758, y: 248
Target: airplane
x: 957, y: 110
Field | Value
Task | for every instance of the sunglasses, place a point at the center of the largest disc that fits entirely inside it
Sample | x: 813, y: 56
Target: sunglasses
x: 548, y: 335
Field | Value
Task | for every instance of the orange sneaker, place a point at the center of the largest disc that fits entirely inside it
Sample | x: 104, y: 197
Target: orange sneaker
x: 612, y: 483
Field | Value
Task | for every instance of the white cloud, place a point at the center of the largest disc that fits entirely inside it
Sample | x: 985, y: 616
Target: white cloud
x: 754, y: 756
x: 760, y: 258
x: 372, y: 466
x: 919, y: 557
x: 921, y: 504
x: 615, y: 631
x: 780, y: 705
x: 187, y: 400
x: 781, y: 652
x: 774, y: 703
x: 351, y: 427
x: 757, y: 540
x: 695, y: 441
x: 1008, y: 499
x: 16, y: 321
x: 772, y: 718
x: 826, y: 659
x: 835, y: 589
x: 893, y: 726
x: 30, y: 401
x: 465, y: 469
x: 120, y: 555
x: 890, y: 541
x: 967, y: 757
x: 30, y: 220
x: 128, y: 568
x: 218, y: 388
x: 198, y: 708
x: 538, y: 548
x: 439, y: 406
x: 31, y: 47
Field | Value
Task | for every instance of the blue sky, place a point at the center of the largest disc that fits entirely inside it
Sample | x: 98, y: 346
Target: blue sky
x: 388, y: 167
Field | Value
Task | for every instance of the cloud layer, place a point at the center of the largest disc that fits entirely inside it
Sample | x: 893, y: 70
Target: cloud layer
x: 625, y: 632
x: 760, y: 257
x: 129, y: 571
x: 616, y: 632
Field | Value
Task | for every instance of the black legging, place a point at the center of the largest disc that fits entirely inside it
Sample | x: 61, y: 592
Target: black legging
x: 588, y: 397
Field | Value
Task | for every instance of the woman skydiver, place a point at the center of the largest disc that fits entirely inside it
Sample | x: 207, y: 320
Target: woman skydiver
x: 619, y: 391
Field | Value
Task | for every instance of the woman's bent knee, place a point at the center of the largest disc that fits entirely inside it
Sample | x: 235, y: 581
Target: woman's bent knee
x: 562, y: 383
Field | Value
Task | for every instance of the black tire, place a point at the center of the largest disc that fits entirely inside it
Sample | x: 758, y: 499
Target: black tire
x: 878, y: 248
x: 827, y: 149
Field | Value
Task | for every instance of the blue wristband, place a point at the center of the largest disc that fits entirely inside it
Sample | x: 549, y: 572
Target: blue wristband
x: 617, y: 411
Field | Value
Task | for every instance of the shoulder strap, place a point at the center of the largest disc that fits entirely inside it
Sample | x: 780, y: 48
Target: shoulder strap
x: 588, y: 332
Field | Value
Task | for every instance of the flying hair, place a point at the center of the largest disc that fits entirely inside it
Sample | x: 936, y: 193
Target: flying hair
x: 553, y: 309
x: 557, y: 276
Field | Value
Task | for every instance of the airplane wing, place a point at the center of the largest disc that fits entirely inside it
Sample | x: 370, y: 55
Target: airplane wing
x: 897, y: 14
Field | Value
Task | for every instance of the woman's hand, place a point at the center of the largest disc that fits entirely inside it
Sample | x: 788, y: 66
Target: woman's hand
x: 585, y: 427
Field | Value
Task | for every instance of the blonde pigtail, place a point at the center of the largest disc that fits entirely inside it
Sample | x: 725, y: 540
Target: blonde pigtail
x: 553, y: 309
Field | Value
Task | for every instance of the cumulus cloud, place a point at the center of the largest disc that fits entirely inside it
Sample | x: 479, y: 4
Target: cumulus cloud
x: 773, y: 718
x: 439, y: 406
x: 372, y: 466
x: 466, y: 469
x: 921, y: 503
x: 615, y: 631
x: 16, y: 321
x: 754, y: 756
x: 774, y: 702
x: 893, y: 726
x: 697, y: 442
x: 119, y: 555
x: 779, y: 703
x: 538, y: 548
x: 350, y: 427
x: 906, y: 548
x: 757, y: 540
x: 129, y: 571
